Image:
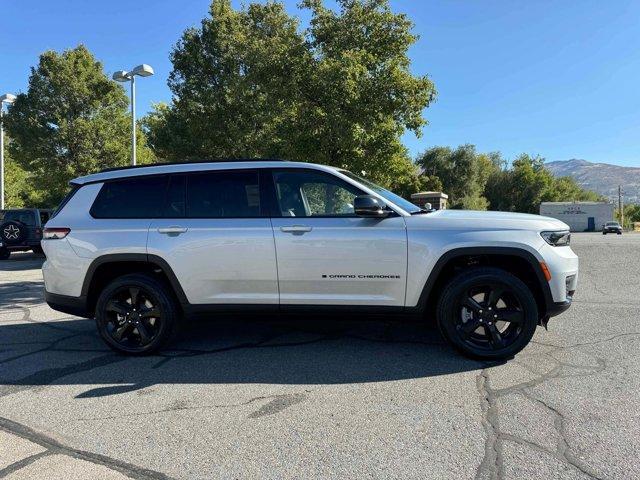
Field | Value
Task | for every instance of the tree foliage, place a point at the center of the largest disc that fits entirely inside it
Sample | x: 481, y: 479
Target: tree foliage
x: 528, y: 183
x: 250, y: 83
x: 479, y: 181
x: 72, y: 121
x: 17, y: 189
x: 462, y: 173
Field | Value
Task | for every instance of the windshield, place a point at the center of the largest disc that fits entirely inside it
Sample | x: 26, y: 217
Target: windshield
x: 612, y: 224
x: 383, y: 192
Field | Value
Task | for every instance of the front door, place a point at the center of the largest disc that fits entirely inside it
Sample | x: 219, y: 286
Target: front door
x: 326, y: 254
x: 216, y: 238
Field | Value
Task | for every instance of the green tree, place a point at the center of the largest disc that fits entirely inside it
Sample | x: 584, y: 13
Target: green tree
x: 250, y: 83
x: 462, y: 173
x: 18, y: 191
x: 72, y: 121
x: 528, y: 183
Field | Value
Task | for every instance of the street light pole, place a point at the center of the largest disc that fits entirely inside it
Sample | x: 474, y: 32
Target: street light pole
x: 8, y: 99
x: 133, y: 119
x: 143, y: 70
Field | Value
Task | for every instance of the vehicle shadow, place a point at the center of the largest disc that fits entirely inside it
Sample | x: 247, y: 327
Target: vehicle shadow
x: 24, y: 293
x: 22, y: 261
x: 296, y: 350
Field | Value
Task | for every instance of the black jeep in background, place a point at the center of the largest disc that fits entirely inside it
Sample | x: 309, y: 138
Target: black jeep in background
x: 21, y: 230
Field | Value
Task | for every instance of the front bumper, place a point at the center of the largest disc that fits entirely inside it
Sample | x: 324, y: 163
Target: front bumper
x: 66, y: 304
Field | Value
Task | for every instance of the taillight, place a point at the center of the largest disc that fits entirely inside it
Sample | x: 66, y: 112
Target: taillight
x: 55, y: 233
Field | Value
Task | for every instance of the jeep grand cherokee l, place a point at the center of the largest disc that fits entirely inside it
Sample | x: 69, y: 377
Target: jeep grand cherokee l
x: 141, y: 248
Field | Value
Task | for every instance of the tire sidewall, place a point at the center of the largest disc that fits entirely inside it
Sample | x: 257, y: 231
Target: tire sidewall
x: 448, y: 310
x: 161, y: 296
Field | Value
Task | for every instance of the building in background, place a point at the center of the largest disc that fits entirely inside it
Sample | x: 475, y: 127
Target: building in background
x: 438, y: 200
x: 580, y: 216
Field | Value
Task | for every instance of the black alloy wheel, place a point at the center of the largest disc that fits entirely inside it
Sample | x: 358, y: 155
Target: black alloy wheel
x: 487, y: 313
x: 136, y: 314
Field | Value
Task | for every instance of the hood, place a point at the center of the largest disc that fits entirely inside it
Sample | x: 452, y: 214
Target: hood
x: 486, y: 220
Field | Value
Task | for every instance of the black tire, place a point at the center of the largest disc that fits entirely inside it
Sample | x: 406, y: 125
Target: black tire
x: 505, y: 320
x: 4, y: 254
x: 12, y: 232
x: 619, y: 233
x: 604, y: 233
x: 138, y: 309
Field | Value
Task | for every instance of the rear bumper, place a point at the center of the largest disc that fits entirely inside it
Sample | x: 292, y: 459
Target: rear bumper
x: 72, y: 305
x: 21, y: 246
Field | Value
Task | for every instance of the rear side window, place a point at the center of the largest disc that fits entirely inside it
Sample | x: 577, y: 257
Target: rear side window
x: 131, y: 198
x: 65, y: 200
x: 230, y: 194
x: 26, y: 217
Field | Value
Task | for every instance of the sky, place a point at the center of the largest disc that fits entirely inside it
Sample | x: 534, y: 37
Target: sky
x: 560, y: 79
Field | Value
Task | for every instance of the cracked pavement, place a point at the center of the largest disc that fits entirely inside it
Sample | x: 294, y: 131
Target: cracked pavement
x: 325, y: 398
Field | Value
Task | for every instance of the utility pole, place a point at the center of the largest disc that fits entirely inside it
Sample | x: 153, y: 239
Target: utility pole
x: 621, y: 205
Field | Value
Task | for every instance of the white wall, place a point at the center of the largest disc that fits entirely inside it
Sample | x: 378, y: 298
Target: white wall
x: 577, y: 214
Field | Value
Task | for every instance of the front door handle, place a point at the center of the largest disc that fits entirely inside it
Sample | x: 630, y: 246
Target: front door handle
x: 173, y: 230
x: 296, y: 229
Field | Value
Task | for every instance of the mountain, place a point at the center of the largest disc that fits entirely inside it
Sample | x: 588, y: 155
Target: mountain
x: 602, y: 178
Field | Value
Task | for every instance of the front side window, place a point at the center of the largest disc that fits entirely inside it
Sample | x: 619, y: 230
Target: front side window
x: 44, y: 217
x: 309, y: 193
x: 131, y: 198
x: 224, y: 194
x: 384, y: 193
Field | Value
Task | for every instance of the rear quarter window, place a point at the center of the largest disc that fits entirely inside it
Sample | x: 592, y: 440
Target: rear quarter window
x: 26, y: 217
x: 131, y: 198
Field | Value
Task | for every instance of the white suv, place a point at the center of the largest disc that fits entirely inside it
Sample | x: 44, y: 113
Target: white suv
x: 140, y: 248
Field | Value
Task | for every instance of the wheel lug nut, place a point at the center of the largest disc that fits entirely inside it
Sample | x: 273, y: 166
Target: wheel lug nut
x: 495, y: 316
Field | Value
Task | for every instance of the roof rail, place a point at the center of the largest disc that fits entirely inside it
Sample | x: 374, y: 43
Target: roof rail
x: 217, y: 160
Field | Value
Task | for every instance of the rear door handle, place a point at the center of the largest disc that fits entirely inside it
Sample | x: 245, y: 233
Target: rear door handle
x: 296, y: 229
x: 174, y: 230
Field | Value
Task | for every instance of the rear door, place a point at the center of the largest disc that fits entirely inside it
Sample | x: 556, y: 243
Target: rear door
x: 217, y: 238
x: 326, y: 254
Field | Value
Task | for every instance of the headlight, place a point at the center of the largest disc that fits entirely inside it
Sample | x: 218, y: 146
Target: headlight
x: 557, y: 239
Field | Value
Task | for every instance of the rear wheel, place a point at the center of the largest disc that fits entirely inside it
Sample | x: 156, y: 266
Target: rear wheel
x: 4, y: 253
x: 487, y: 313
x: 136, y: 314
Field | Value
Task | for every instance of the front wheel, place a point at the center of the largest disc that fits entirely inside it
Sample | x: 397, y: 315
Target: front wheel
x: 136, y: 314
x: 487, y: 313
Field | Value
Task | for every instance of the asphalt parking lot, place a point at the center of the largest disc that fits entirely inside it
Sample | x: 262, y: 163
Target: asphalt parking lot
x: 325, y: 398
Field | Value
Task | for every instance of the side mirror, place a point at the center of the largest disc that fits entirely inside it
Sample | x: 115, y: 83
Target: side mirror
x: 370, y: 207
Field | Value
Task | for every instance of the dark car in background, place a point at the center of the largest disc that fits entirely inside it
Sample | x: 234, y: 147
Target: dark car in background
x: 21, y: 230
x: 612, y: 227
